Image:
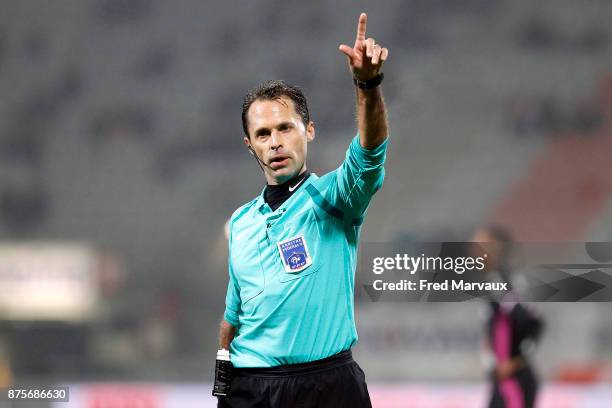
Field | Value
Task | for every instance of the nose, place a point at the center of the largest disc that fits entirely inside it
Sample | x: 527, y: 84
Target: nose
x: 275, y: 140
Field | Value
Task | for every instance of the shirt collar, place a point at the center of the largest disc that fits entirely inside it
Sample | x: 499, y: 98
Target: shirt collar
x: 260, y: 203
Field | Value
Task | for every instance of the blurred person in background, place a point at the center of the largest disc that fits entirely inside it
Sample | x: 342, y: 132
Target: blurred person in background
x: 511, y: 330
x: 289, y: 320
x: 6, y: 377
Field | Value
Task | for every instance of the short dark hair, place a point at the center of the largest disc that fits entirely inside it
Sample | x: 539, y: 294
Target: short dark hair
x: 499, y: 233
x: 271, y: 90
x: 502, y: 236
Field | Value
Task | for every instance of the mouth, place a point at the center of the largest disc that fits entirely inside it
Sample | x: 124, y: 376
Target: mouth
x: 279, y: 161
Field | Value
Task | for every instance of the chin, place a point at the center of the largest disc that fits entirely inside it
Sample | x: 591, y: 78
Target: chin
x: 284, y: 174
x: 286, y: 171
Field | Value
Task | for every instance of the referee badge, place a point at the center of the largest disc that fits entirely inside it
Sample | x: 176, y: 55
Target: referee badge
x: 294, y: 254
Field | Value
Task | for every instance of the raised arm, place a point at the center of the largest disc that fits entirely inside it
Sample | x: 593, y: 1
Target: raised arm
x: 365, y: 60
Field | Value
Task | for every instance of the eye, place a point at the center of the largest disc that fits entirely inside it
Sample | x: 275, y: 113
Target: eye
x: 284, y: 127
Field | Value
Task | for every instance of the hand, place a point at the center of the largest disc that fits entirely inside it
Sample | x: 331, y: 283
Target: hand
x: 366, y: 58
x: 506, y: 369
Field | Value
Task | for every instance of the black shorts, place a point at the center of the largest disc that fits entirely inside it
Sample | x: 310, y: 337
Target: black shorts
x: 333, y: 382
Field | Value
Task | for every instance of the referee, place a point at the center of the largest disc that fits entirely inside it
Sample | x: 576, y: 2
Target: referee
x: 289, y: 320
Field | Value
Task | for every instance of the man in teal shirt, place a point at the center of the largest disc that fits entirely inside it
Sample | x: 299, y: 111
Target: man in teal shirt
x: 289, y: 318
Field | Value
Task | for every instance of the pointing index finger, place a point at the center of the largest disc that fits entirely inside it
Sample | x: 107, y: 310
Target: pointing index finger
x: 361, y: 27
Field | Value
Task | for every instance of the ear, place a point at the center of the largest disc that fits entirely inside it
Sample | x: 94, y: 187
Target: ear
x: 310, y: 131
x: 247, y: 142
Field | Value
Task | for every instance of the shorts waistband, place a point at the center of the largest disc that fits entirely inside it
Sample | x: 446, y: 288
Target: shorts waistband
x: 337, y: 360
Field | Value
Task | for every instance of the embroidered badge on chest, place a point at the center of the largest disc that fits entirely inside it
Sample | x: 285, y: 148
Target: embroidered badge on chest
x: 294, y: 254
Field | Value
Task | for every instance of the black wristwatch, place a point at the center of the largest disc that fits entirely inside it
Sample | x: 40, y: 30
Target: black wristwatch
x: 370, y: 83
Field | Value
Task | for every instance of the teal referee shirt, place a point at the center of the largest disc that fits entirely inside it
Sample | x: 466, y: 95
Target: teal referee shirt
x: 292, y: 270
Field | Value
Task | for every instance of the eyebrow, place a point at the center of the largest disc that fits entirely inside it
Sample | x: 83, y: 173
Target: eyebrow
x: 263, y: 130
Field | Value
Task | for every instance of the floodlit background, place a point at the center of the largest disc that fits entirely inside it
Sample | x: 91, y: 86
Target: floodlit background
x: 121, y: 159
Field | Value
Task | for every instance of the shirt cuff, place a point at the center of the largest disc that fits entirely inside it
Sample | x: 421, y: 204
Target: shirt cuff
x: 231, y: 317
x: 368, y: 158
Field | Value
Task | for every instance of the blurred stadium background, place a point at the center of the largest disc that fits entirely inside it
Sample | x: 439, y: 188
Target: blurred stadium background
x: 121, y: 159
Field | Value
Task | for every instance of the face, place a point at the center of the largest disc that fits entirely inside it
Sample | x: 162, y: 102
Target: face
x: 485, y: 243
x: 279, y: 138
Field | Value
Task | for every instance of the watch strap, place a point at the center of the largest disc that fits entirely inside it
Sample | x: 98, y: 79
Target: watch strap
x: 370, y: 83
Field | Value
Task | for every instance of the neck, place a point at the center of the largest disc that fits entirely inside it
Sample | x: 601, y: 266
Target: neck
x: 276, y: 194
